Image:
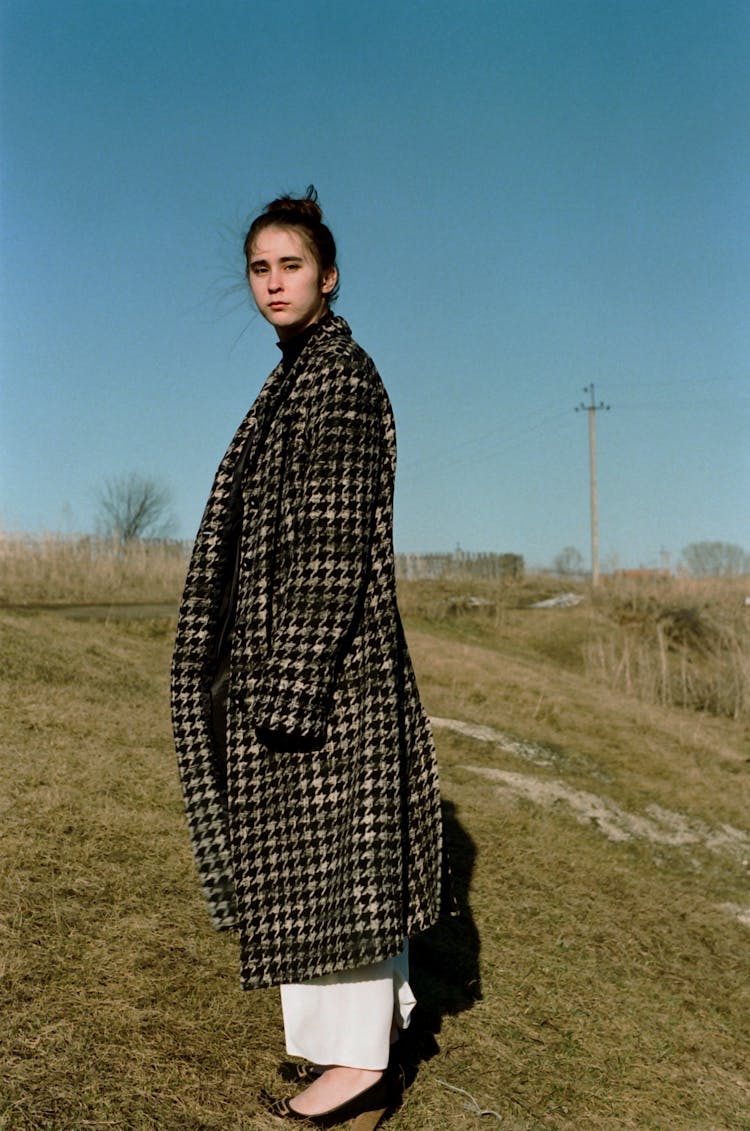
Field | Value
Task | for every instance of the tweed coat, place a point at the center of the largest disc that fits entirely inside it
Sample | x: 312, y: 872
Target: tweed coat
x: 319, y: 835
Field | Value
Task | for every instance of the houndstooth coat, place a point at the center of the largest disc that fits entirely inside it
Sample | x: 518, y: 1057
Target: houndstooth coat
x: 323, y: 849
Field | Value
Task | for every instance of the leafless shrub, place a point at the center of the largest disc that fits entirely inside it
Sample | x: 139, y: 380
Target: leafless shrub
x: 715, y: 559
x: 134, y: 506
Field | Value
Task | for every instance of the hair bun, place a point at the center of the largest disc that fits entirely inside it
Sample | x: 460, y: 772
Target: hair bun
x: 305, y: 208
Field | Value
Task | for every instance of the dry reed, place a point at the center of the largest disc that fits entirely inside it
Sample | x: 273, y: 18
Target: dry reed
x: 678, y: 645
x: 676, y: 642
x: 679, y: 642
x: 52, y: 569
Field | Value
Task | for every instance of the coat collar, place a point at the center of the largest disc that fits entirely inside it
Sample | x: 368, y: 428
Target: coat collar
x: 293, y: 347
x: 318, y: 336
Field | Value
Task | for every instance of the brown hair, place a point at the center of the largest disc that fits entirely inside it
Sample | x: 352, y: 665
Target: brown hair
x: 305, y: 215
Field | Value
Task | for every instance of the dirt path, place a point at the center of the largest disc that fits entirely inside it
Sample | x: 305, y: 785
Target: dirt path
x: 657, y: 825
x: 107, y: 611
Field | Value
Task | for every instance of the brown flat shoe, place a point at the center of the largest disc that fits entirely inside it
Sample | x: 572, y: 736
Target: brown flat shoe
x: 296, y: 1072
x: 367, y: 1107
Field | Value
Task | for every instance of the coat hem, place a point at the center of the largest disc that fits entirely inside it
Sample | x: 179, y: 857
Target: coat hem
x: 274, y: 970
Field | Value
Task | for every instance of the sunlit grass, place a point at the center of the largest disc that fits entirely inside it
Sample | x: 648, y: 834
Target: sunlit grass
x: 615, y: 984
x: 51, y: 569
x: 678, y: 642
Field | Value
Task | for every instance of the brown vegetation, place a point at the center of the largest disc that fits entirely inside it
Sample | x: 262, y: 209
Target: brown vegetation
x: 691, y: 654
x: 49, y: 569
x: 592, y: 983
x: 677, y: 642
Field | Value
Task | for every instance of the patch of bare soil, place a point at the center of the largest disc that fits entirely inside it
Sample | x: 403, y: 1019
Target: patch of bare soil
x: 660, y: 826
x: 531, y: 751
x: 657, y: 825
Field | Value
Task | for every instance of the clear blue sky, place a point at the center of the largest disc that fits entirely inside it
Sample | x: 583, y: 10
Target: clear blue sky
x: 528, y: 197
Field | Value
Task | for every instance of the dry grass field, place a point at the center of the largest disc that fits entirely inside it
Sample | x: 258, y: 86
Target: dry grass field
x: 599, y: 975
x: 48, y: 569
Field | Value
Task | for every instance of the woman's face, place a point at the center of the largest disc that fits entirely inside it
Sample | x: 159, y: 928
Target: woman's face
x: 287, y: 284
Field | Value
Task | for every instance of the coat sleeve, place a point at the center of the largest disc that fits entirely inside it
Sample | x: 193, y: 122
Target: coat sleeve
x: 318, y: 601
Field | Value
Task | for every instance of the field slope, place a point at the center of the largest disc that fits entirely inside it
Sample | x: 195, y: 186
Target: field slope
x: 597, y: 978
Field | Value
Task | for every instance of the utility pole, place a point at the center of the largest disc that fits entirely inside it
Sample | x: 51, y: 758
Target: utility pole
x: 592, y: 408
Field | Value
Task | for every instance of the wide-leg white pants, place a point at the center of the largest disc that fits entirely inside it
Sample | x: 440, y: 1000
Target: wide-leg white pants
x: 346, y: 1018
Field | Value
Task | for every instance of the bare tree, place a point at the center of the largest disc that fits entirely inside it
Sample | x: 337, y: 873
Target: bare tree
x: 134, y: 506
x: 715, y: 559
x: 568, y: 561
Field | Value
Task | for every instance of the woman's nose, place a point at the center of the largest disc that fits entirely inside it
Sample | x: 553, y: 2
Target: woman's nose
x: 274, y: 281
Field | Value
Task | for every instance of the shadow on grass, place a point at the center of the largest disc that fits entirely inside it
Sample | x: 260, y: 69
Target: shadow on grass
x: 444, y: 961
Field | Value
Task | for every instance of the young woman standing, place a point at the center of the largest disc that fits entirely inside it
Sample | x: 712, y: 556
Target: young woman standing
x: 307, y: 764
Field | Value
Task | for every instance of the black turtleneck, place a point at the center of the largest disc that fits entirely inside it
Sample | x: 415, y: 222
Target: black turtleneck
x: 291, y: 349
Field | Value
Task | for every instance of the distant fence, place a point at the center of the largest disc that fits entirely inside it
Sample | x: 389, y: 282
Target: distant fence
x: 461, y: 564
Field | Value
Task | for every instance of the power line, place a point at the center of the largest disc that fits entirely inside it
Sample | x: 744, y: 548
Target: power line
x: 453, y: 456
x: 484, y: 445
x: 682, y: 382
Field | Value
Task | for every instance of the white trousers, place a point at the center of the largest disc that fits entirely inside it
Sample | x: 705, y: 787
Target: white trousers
x: 346, y: 1018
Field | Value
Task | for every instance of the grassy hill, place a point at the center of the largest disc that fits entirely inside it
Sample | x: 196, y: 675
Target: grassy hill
x: 599, y: 975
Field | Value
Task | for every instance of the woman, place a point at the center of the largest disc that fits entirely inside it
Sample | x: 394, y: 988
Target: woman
x: 307, y: 764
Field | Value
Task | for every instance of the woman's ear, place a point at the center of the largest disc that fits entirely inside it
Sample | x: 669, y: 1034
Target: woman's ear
x: 330, y: 278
